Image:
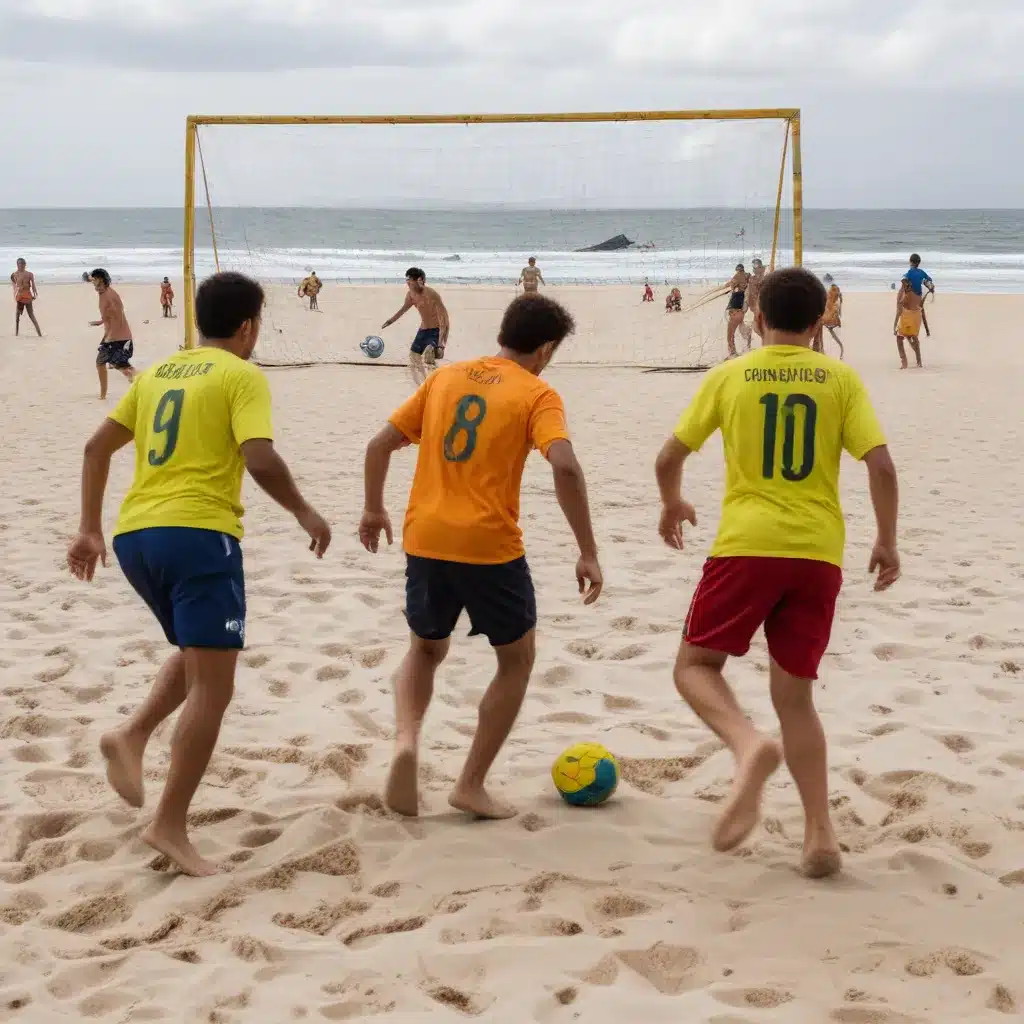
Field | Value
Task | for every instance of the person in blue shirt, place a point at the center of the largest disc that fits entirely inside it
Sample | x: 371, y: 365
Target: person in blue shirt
x: 919, y: 280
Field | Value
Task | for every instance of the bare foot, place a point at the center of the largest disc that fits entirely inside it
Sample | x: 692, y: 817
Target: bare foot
x: 401, y: 793
x: 822, y: 856
x: 743, y: 808
x: 480, y: 803
x: 182, y: 853
x: 124, y: 768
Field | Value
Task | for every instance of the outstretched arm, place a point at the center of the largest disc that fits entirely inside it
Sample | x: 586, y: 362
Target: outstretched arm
x: 406, y: 306
x: 884, y: 487
x: 668, y: 470
x: 88, y: 547
x: 271, y: 472
x: 442, y: 317
x: 571, y: 491
x: 375, y: 473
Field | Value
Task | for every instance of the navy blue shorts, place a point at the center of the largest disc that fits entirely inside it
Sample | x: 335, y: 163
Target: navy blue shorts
x: 426, y: 337
x: 499, y: 599
x: 191, y: 579
x: 735, y: 301
x: 117, y: 354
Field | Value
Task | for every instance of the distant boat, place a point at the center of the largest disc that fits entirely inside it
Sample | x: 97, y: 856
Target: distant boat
x: 609, y: 245
x: 452, y: 259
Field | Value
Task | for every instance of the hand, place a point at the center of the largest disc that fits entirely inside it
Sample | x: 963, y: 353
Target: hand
x: 84, y: 552
x: 318, y: 529
x: 670, y: 525
x: 370, y: 527
x: 588, y: 571
x: 886, y: 559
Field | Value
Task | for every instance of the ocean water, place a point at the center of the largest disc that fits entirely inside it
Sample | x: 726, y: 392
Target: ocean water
x: 964, y: 250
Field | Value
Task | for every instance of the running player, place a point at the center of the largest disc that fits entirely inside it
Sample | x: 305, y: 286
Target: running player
x: 23, y: 281
x: 777, y: 557
x: 432, y: 336
x: 167, y: 297
x: 833, y: 318
x: 117, y: 347
x: 198, y: 420
x: 754, y: 283
x: 737, y: 288
x: 908, y: 321
x: 475, y: 423
x: 530, y: 276
x: 648, y: 292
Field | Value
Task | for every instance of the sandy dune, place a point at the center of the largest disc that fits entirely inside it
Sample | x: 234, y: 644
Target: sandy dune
x: 332, y: 909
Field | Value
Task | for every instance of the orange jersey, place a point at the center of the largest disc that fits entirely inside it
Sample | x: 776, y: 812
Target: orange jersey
x: 475, y: 423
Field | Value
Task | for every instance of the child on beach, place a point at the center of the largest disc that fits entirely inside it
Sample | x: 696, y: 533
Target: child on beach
x: 198, y: 420
x: 475, y: 423
x: 777, y: 558
x: 167, y: 297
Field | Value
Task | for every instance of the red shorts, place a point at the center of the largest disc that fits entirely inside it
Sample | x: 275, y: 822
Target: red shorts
x: 793, y: 598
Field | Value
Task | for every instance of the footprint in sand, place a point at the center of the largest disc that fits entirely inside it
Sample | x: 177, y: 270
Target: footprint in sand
x: 556, y: 675
x: 587, y: 649
x: 670, y: 969
x: 765, y: 998
x: 629, y: 652
x: 899, y: 652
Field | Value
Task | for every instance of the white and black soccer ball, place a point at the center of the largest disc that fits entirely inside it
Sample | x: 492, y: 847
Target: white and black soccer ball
x: 372, y: 346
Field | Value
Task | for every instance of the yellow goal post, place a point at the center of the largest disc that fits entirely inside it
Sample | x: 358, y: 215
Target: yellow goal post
x: 791, y: 151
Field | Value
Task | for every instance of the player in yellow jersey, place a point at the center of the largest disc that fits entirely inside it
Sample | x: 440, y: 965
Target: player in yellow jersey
x: 475, y: 424
x: 786, y: 414
x: 198, y: 420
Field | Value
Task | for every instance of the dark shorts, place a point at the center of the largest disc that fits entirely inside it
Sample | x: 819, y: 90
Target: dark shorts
x: 793, y: 598
x: 191, y: 579
x: 426, y: 337
x: 23, y: 307
x: 117, y: 354
x: 498, y: 598
x: 735, y: 301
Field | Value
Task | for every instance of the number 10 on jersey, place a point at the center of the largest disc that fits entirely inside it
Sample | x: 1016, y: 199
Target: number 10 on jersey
x: 790, y: 470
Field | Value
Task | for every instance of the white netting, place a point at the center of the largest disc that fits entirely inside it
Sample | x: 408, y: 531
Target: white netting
x: 470, y: 203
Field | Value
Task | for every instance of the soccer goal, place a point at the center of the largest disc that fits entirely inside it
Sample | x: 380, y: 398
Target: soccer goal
x: 606, y: 203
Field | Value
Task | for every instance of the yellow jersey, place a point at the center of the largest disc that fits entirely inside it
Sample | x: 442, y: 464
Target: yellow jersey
x: 475, y: 423
x: 190, y: 415
x: 786, y: 415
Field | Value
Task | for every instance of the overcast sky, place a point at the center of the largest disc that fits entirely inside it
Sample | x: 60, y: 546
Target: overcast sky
x: 913, y: 104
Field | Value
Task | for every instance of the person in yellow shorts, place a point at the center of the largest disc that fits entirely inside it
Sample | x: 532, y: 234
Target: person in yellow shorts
x: 832, y: 320
x: 907, y: 324
x: 475, y: 423
x: 310, y: 288
x: 786, y: 415
x: 199, y: 420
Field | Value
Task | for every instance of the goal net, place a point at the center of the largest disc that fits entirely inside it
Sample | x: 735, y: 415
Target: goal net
x: 605, y: 206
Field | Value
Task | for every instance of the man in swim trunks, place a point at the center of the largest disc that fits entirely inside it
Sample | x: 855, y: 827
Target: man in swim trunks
x: 432, y: 336
x: 648, y: 291
x: 475, y: 424
x: 117, y: 347
x: 310, y: 287
x: 167, y: 297
x: 786, y: 415
x: 737, y: 304
x: 832, y: 318
x: 908, y: 321
x: 23, y: 281
x: 919, y: 280
x: 531, y: 275
x: 753, y: 291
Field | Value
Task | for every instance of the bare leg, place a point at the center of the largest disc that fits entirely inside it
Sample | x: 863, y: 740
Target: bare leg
x: 699, y: 680
x: 35, y: 322
x: 429, y: 361
x: 746, y: 331
x: 915, y: 344
x: 730, y: 334
x: 211, y: 681
x: 835, y: 338
x: 902, y: 352
x: 101, y: 370
x: 414, y: 686
x: 416, y: 368
x: 128, y: 372
x: 803, y: 740
x: 498, y: 712
x: 125, y: 746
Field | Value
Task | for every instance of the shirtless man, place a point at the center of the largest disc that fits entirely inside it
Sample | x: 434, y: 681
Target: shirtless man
x: 736, y: 289
x: 753, y: 293
x: 117, y: 347
x: 310, y: 287
x: 23, y: 282
x: 530, y: 276
x: 908, y: 321
x: 432, y: 336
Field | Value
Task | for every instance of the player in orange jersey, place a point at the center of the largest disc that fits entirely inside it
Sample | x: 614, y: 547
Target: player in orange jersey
x: 475, y: 424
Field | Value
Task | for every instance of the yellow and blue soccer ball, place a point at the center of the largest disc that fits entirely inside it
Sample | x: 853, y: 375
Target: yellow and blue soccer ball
x: 586, y: 774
